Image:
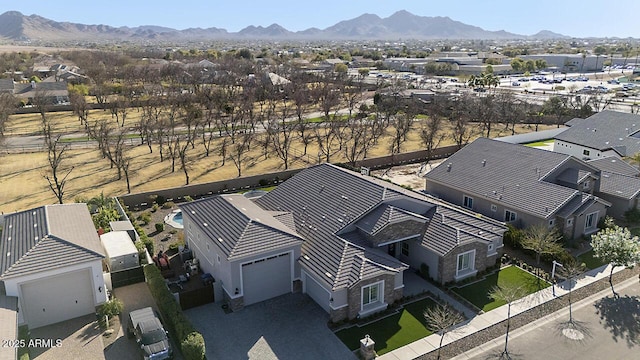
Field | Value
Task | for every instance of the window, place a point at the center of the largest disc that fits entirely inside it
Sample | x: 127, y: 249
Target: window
x: 494, y: 207
x: 465, y: 261
x: 585, y: 152
x: 405, y: 249
x: 467, y: 202
x: 510, y: 216
x: 371, y: 294
x: 590, y: 221
x: 490, y: 248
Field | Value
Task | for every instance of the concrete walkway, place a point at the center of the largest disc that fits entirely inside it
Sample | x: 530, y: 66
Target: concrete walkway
x: 483, y: 321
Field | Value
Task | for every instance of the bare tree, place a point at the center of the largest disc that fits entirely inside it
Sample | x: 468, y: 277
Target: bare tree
x: 80, y: 107
x: 56, y: 154
x: 8, y: 106
x: 432, y: 133
x: 571, y: 270
x: 239, y: 150
x: 402, y: 122
x: 441, y: 318
x: 507, y: 294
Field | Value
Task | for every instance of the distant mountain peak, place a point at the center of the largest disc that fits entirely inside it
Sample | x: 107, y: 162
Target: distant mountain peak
x: 401, y: 24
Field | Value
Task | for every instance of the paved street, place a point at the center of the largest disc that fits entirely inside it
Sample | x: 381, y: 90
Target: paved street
x: 606, y: 328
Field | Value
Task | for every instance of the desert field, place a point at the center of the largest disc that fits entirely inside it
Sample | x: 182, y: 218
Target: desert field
x: 23, y: 186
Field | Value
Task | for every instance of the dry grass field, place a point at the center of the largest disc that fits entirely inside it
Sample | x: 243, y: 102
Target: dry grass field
x: 23, y: 186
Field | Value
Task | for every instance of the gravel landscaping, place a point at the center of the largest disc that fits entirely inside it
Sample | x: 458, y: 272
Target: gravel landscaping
x: 483, y: 336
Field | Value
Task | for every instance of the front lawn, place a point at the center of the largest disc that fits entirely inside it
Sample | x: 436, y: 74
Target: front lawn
x: 477, y: 293
x: 393, y: 331
x: 591, y: 261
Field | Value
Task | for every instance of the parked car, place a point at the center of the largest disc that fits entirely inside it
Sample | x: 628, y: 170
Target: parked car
x: 613, y: 81
x: 515, y: 83
x: 147, y: 328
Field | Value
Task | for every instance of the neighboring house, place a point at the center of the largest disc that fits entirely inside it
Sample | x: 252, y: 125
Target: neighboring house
x: 343, y: 238
x: 619, y: 185
x: 607, y: 133
x: 51, y: 260
x: 55, y: 92
x: 522, y: 186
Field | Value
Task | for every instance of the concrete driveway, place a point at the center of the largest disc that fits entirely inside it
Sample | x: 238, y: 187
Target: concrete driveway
x: 291, y: 326
x: 134, y: 297
x: 81, y: 338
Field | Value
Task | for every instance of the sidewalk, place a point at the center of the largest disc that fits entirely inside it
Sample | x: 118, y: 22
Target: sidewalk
x: 480, y: 322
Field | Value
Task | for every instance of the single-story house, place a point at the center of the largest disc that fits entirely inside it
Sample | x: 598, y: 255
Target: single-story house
x: 604, y: 134
x: 619, y: 185
x: 52, y: 262
x: 343, y: 238
x: 522, y: 186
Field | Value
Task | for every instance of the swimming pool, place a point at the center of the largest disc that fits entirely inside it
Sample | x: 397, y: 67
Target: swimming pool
x: 174, y: 219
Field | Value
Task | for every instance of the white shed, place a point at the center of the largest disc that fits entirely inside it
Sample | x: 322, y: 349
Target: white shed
x: 120, y: 250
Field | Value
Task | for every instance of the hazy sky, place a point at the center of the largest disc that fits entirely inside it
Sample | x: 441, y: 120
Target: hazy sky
x: 579, y: 18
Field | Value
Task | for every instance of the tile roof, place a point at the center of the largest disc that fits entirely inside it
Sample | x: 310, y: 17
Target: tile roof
x: 327, y: 201
x: 509, y: 174
x: 383, y: 215
x: 614, y: 164
x: 619, y: 185
x: 239, y: 227
x: 47, y: 237
x: 605, y: 130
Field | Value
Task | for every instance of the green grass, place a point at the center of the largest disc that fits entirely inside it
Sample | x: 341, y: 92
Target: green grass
x: 591, y: 261
x: 477, y: 293
x: 393, y: 331
x: 540, y: 143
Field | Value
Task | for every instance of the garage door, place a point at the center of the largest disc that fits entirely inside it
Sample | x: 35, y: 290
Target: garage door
x: 316, y: 292
x: 57, y: 298
x: 266, y: 278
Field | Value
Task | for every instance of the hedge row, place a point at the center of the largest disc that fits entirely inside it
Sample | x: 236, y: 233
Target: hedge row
x: 191, y: 341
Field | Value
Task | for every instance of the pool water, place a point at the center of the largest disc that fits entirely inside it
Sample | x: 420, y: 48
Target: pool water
x: 178, y: 217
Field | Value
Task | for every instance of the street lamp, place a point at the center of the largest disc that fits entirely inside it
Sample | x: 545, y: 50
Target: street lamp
x: 553, y: 276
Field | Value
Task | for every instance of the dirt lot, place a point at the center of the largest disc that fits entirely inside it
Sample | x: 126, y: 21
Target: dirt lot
x: 24, y: 186
x: 408, y: 175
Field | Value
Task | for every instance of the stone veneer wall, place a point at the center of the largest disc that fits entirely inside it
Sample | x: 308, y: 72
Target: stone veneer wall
x: 398, y: 231
x: 235, y: 304
x: 449, y: 263
x: 355, y: 294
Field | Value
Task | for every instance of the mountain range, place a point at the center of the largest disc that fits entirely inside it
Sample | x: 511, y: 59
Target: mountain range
x: 14, y: 26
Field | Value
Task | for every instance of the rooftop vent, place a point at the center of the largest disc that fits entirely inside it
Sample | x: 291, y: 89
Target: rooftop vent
x: 220, y: 239
x: 484, y: 162
x: 306, y: 257
x: 448, y: 167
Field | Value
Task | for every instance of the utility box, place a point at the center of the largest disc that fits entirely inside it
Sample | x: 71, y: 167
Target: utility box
x: 120, y: 250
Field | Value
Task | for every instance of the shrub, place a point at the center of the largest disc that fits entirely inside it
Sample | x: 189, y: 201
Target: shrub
x: 513, y: 236
x: 145, y: 217
x: 155, y: 208
x: 424, y: 270
x: 188, y: 198
x: 159, y: 227
x: 191, y: 342
x: 263, y: 182
x: 177, y: 244
x: 111, y: 308
x: 632, y: 216
x: 168, y: 205
x: 148, y: 243
x: 160, y: 200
